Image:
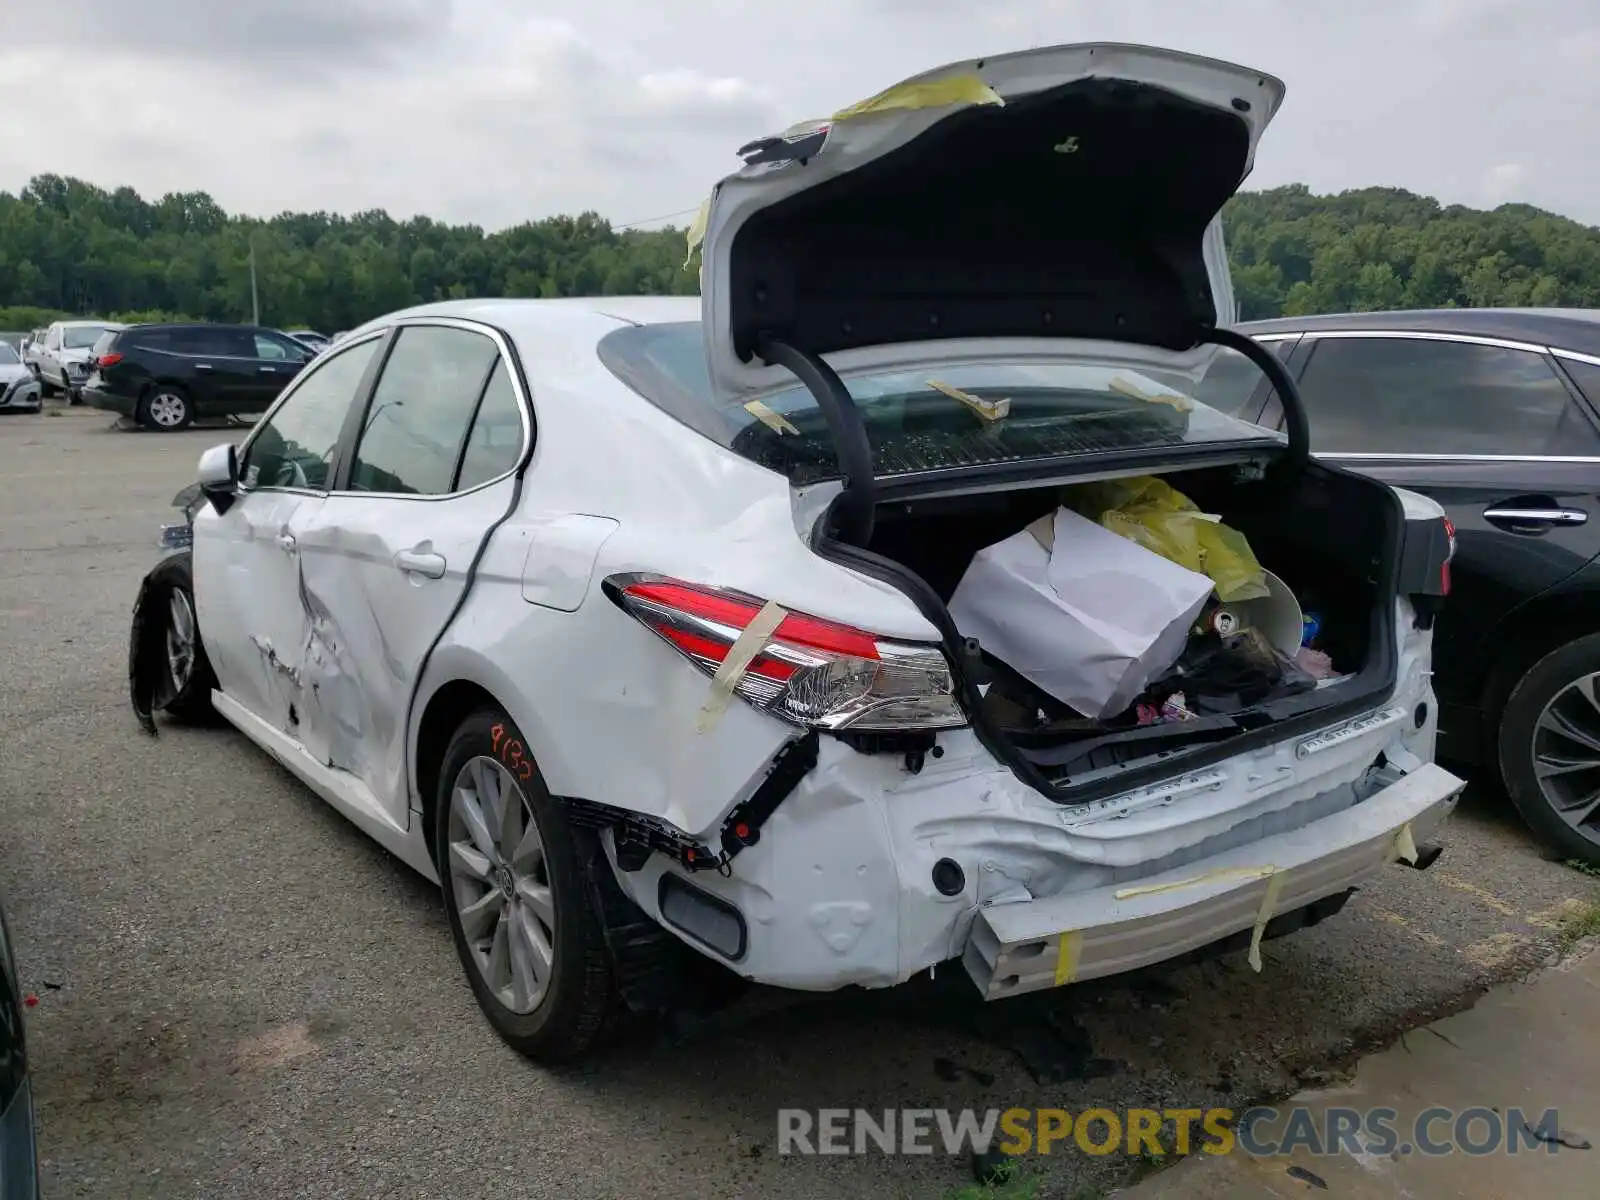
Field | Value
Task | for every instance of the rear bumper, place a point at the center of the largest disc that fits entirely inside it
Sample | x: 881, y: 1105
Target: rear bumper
x: 1017, y: 948
x: 110, y: 401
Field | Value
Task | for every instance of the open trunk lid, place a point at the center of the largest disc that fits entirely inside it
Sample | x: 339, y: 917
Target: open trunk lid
x: 996, y: 206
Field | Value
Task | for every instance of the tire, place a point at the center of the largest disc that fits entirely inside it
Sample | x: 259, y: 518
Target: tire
x: 1552, y: 717
x: 169, y: 670
x: 46, y: 388
x: 166, y: 408
x: 571, y: 1011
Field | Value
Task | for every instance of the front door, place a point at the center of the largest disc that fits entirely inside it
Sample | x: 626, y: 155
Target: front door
x: 248, y: 588
x: 1497, y: 435
x: 277, y: 361
x: 388, y: 560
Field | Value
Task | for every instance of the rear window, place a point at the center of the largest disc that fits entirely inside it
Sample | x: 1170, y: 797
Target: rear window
x: 1055, y: 410
x: 104, y: 342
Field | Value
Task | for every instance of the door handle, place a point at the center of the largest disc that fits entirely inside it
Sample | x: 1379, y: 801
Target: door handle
x: 418, y: 562
x: 286, y: 541
x: 1534, y: 520
x: 268, y: 370
x: 202, y: 366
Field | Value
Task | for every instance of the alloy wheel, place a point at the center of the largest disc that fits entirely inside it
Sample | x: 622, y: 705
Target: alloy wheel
x: 180, y: 639
x: 168, y: 409
x: 500, y: 883
x: 1566, y: 755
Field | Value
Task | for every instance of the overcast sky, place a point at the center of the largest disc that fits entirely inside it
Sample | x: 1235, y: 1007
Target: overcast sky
x: 498, y: 111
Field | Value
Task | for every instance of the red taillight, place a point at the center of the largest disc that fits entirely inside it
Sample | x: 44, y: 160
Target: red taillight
x: 106, y: 360
x: 1444, y: 571
x: 811, y: 671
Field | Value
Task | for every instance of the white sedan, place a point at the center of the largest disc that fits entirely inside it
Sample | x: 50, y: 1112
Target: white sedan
x: 628, y: 619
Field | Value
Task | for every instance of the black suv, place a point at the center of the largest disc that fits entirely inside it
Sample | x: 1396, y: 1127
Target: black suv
x: 164, y: 376
x: 1495, y: 413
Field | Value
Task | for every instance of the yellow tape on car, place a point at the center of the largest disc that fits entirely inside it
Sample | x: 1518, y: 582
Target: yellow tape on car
x: 741, y: 654
x: 926, y: 93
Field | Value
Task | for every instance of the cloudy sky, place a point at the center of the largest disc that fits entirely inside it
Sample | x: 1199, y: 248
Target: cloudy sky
x: 497, y: 111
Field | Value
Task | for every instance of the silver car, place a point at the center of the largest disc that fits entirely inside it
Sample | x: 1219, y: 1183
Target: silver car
x: 64, y: 362
x: 18, y: 388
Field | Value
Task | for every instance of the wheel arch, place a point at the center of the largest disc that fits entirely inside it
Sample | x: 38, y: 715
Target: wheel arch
x: 1527, y: 634
x: 460, y: 683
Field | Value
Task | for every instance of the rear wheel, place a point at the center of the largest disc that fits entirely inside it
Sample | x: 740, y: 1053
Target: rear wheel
x: 516, y: 888
x: 166, y: 408
x: 1550, y: 748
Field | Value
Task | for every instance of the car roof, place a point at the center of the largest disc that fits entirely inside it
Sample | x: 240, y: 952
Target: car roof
x: 91, y: 324
x: 1575, y: 329
x: 626, y: 310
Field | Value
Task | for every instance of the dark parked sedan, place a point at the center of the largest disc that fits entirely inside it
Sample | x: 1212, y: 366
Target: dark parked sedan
x: 1495, y: 413
x: 164, y: 376
x: 19, y: 1169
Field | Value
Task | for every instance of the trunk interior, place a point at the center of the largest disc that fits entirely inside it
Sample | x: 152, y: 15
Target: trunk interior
x: 1331, y: 536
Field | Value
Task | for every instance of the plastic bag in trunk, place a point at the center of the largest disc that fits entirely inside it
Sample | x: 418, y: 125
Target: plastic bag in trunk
x: 1088, y: 616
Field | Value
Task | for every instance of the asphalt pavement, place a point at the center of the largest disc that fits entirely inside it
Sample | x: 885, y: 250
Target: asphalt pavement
x: 240, y: 995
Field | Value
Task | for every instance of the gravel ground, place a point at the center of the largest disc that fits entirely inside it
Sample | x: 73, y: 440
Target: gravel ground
x: 242, y: 996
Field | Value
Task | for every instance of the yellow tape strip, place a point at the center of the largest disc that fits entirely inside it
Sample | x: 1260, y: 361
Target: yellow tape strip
x: 1405, y: 846
x: 989, y: 410
x: 927, y: 93
x: 1220, y: 875
x: 697, y: 231
x: 772, y: 419
x: 740, y: 655
x: 1069, y: 947
x: 1180, y: 402
x: 1263, y: 915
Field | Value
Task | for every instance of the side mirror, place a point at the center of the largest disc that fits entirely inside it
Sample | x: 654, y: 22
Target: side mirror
x: 219, y: 475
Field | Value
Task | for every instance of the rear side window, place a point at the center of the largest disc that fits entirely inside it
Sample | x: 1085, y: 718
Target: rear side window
x: 1427, y: 396
x: 148, y: 339
x: 1586, y: 375
x: 416, y: 424
x: 495, y: 441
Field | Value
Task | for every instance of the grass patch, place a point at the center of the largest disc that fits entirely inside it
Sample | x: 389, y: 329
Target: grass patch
x: 1005, y: 1182
x: 1580, y: 922
x: 1584, y: 868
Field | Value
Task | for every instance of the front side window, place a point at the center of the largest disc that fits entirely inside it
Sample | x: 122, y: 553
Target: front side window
x: 413, y: 430
x: 1401, y: 395
x: 294, y: 446
x: 915, y: 421
x: 276, y: 349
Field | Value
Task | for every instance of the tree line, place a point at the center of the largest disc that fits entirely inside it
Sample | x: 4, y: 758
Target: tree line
x: 69, y: 248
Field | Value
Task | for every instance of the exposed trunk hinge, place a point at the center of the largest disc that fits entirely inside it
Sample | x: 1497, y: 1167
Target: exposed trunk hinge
x: 854, y: 509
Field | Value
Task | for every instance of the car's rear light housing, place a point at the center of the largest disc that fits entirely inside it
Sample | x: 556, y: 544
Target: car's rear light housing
x: 105, y: 360
x: 811, y: 672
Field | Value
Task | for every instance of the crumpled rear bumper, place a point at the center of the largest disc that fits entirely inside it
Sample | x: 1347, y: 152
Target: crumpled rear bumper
x: 1024, y: 947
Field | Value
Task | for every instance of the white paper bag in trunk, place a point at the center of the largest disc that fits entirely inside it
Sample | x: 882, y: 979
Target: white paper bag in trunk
x: 1091, y: 620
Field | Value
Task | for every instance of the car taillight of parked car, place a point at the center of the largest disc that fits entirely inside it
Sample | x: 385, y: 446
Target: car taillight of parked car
x: 1444, y: 571
x: 809, y: 671
x: 104, y: 361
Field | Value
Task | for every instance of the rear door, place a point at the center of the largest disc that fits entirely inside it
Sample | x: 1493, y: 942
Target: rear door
x: 1496, y: 433
x: 388, y: 559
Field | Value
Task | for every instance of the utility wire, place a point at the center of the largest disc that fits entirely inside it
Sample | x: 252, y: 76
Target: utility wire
x: 652, y: 220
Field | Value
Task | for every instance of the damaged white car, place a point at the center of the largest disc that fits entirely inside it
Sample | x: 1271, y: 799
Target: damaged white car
x: 891, y: 605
